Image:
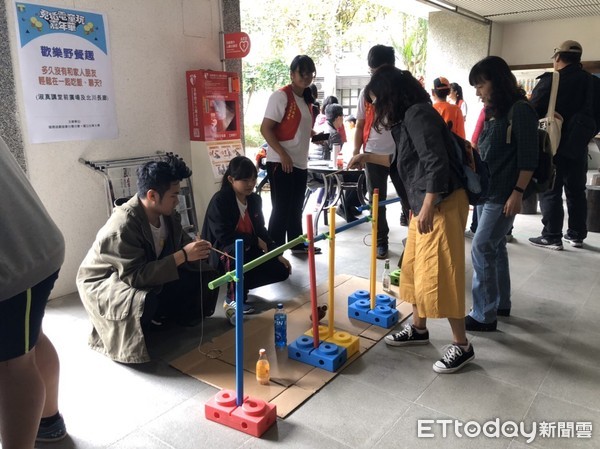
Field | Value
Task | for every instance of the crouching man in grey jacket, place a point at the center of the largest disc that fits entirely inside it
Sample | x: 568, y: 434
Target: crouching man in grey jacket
x: 144, y: 269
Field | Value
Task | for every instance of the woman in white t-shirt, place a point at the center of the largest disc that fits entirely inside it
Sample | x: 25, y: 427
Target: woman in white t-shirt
x: 287, y: 128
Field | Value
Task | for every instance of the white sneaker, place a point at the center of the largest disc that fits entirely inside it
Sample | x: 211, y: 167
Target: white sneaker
x: 230, y: 312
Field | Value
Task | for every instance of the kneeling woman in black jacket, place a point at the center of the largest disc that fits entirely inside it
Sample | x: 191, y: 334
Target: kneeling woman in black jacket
x: 235, y: 212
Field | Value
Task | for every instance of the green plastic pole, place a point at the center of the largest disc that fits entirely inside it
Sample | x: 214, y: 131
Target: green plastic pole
x: 256, y: 262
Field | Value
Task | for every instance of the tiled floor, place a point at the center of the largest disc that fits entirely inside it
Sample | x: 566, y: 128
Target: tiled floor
x: 541, y: 365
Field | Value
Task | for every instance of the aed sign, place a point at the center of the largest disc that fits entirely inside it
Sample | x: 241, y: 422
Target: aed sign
x: 235, y: 45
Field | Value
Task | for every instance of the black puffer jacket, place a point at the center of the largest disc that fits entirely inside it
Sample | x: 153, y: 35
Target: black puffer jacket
x: 221, y: 220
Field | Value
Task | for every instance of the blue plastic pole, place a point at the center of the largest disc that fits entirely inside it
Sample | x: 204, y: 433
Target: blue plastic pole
x: 239, y: 321
x: 381, y: 203
x: 342, y: 228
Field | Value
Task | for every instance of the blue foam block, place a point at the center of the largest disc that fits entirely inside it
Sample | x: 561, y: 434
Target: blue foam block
x: 357, y: 295
x: 385, y: 300
x: 382, y: 316
x: 380, y: 300
x: 327, y: 356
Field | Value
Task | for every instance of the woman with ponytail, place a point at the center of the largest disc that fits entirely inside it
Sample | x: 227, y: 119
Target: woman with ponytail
x: 287, y: 128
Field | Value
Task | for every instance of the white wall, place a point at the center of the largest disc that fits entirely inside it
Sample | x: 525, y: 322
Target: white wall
x: 534, y: 42
x: 454, y: 45
x: 152, y: 47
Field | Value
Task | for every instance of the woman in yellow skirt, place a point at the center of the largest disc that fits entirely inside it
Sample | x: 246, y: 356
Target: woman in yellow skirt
x: 433, y: 266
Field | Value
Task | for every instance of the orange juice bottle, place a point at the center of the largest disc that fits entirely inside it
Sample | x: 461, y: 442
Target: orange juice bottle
x: 262, y: 368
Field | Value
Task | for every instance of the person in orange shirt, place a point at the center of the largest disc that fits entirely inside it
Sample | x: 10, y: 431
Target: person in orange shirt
x: 451, y: 113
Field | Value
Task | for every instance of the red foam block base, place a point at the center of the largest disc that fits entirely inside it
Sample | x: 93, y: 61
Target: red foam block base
x: 254, y: 417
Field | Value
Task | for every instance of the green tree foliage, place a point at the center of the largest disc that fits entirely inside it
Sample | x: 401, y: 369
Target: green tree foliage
x: 268, y: 75
x: 413, y: 46
x: 281, y: 29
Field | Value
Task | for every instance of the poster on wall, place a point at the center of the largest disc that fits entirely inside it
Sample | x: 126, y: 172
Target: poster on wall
x: 221, y: 153
x: 66, y: 74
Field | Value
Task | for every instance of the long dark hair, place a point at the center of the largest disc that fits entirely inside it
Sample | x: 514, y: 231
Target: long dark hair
x: 459, y: 93
x: 505, y: 90
x: 305, y: 65
x: 395, y: 91
x: 327, y: 101
x: 240, y: 167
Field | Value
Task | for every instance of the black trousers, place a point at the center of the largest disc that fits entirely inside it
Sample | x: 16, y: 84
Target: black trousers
x: 377, y: 176
x: 287, y: 199
x: 185, y: 299
x: 400, y: 189
x: 571, y: 174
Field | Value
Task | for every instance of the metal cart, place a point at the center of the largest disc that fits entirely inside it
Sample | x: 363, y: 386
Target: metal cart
x: 120, y: 180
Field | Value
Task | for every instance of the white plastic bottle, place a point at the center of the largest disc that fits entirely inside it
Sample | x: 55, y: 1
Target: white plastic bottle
x: 334, y: 155
x: 385, y: 277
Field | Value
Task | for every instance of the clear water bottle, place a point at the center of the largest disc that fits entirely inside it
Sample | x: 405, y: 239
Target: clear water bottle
x: 280, y: 327
x: 334, y: 155
x: 385, y: 278
x: 263, y: 369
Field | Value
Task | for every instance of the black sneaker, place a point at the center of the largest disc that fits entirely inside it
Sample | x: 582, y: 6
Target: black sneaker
x: 454, y: 359
x: 52, y: 432
x: 503, y: 312
x: 545, y: 242
x: 382, y: 251
x: 407, y: 336
x: 303, y: 250
x: 472, y: 325
x: 575, y: 243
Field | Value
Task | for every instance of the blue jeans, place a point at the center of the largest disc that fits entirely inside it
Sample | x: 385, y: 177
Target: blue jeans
x: 491, y: 276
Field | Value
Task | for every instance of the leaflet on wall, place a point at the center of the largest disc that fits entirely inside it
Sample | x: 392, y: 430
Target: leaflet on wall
x: 221, y: 153
x: 66, y: 73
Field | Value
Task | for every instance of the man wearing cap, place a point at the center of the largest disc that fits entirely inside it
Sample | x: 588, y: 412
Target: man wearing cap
x: 451, y: 113
x: 379, y: 142
x: 570, y: 160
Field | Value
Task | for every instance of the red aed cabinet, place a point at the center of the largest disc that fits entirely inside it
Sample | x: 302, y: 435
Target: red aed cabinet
x: 213, y: 105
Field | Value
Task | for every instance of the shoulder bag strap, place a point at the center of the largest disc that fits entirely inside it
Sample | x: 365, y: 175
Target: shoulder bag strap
x: 553, y: 92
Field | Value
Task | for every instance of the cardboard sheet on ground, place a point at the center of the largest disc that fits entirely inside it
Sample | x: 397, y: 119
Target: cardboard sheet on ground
x: 292, y: 382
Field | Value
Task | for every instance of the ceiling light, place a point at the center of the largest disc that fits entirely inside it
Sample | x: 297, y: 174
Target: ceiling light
x: 441, y: 4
